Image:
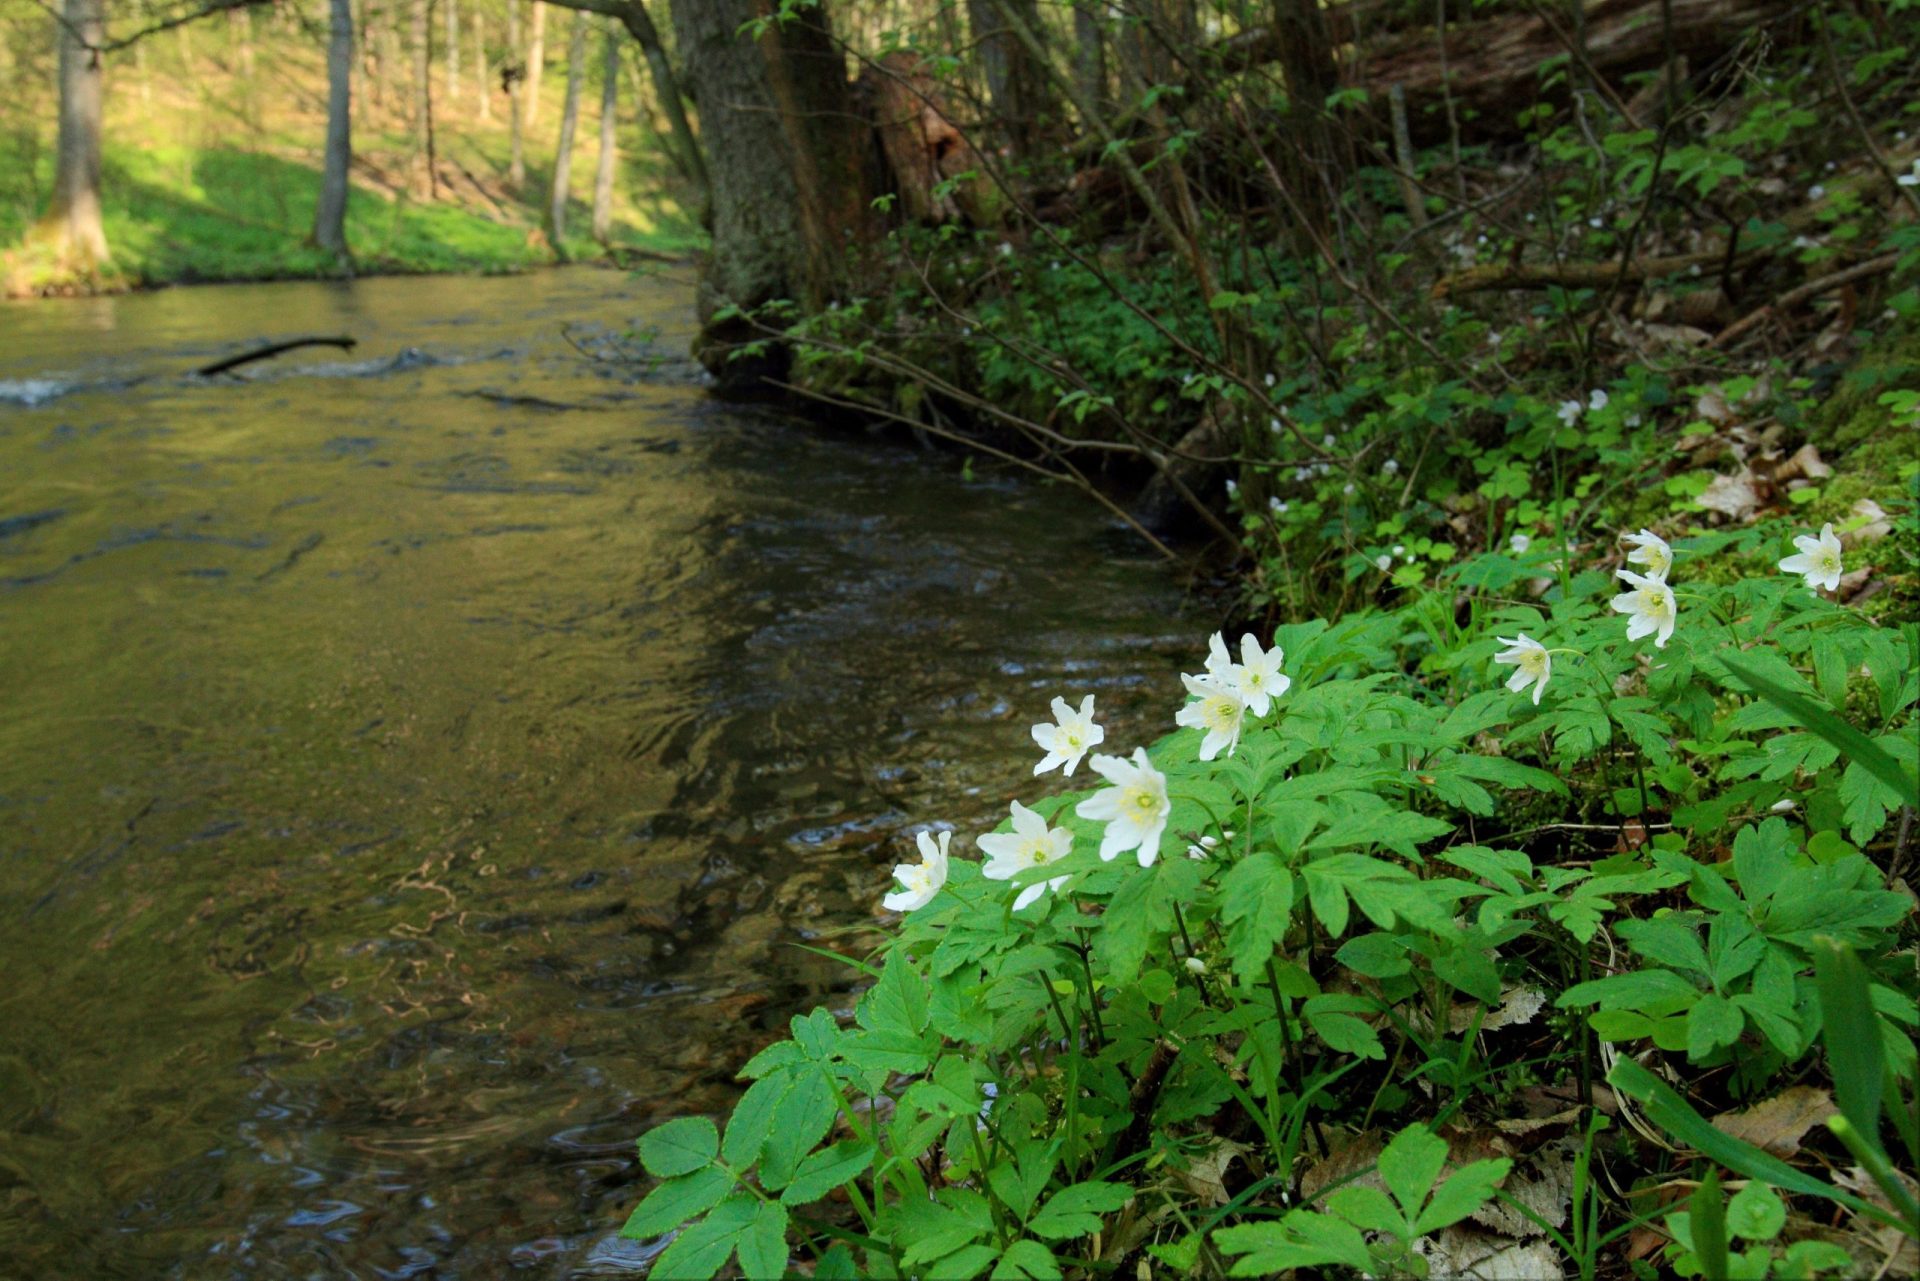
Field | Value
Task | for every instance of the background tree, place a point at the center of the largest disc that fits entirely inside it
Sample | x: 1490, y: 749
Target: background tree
x: 603, y: 169
x: 536, y: 61
x: 330, y: 216
x: 569, y: 122
x: 73, y: 227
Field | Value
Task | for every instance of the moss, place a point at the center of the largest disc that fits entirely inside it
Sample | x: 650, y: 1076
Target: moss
x: 1852, y: 423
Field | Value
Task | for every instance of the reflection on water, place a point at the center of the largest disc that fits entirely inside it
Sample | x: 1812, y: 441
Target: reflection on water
x: 414, y: 768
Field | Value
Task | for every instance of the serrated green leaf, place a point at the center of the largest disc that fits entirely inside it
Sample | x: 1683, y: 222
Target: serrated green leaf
x: 1028, y: 1259
x: 702, y: 1250
x: 1755, y: 1213
x: 1410, y: 1163
x: 1256, y: 902
x: 752, y: 1118
x: 1302, y: 1239
x: 1713, y: 1021
x: 681, y: 1146
x: 1076, y: 1211
x: 677, y: 1200
x: 762, y: 1245
x: 827, y: 1169
x: 800, y: 1120
x: 1464, y: 1192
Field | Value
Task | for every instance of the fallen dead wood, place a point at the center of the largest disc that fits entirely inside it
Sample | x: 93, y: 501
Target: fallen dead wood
x: 1812, y: 289
x: 272, y: 349
x: 1572, y: 275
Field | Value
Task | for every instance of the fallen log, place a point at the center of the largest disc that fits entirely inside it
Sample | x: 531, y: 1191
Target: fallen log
x: 272, y: 349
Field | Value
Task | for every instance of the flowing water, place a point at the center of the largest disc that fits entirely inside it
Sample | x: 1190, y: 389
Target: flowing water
x: 418, y: 764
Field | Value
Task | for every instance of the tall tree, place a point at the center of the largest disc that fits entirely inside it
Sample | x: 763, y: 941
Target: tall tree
x: 330, y: 216
x: 516, y: 78
x: 603, y: 171
x: 1314, y: 169
x: 569, y: 122
x: 788, y: 154
x: 536, y: 61
x: 1090, y: 51
x: 453, y: 50
x: 1016, y: 82
x: 72, y: 226
x: 482, y: 85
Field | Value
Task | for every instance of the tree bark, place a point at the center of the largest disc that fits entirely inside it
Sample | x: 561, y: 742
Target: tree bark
x: 603, y: 171
x: 422, y: 38
x: 330, y: 216
x: 1016, y: 84
x: 789, y: 160
x: 1090, y: 52
x: 516, y: 78
x: 453, y: 51
x: 483, y: 83
x: 569, y: 122
x: 1306, y: 59
x: 73, y: 226
x: 536, y: 62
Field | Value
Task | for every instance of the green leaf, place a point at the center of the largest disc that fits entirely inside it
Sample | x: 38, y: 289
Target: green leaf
x: 1755, y: 1213
x: 1469, y: 1188
x: 676, y: 1201
x: 827, y: 1169
x: 1302, y: 1239
x: 763, y: 1244
x: 1028, y: 1259
x: 1851, y: 1034
x: 1470, y: 969
x: 679, y: 1147
x: 1368, y: 1208
x: 1868, y: 754
x: 752, y: 1119
x: 1410, y: 1164
x: 1707, y: 1216
x: 837, y: 1264
x: 1713, y: 1022
x: 1654, y: 992
x: 1256, y: 897
x: 800, y: 1120
x: 1378, y: 956
x: 702, y: 1249
x: 1676, y: 1116
x: 1076, y: 1211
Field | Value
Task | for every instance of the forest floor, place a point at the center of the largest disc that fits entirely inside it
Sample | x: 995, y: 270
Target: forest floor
x: 212, y: 171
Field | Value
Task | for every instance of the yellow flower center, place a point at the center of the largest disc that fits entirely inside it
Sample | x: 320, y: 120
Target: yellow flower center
x: 1141, y: 799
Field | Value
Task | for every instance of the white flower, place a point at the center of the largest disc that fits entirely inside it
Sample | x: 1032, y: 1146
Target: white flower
x: 1195, y: 852
x: 1633, y: 420
x: 1597, y: 400
x: 1389, y: 467
x: 1596, y: 222
x: 1495, y: 338
x: 1277, y: 507
x: 1006, y: 250
x: 1031, y: 844
x: 1196, y: 966
x: 1532, y: 664
x: 1651, y: 550
x: 1347, y: 489
x: 1816, y: 191
x: 1782, y: 807
x: 1233, y: 489
x: 1134, y: 809
x: 1326, y: 441
x: 1066, y: 741
x: 1269, y: 380
x: 1256, y: 679
x: 1399, y: 549
x: 1519, y: 543
x: 1219, y: 710
x: 1569, y: 411
x: 1651, y: 605
x: 920, y: 881
x: 1819, y: 560
x: 1383, y: 562
x: 1273, y: 425
x: 1911, y: 179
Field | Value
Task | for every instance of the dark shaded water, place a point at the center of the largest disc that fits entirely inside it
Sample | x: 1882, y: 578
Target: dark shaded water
x: 415, y: 766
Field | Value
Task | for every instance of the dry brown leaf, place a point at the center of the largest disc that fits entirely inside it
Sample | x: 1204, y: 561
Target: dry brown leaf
x: 1731, y: 496
x: 1894, y: 1253
x: 1207, y: 1177
x: 1541, y: 1181
x: 1347, y: 1156
x: 1776, y: 1124
x: 1878, y: 524
x: 1806, y: 461
x: 1462, y: 1252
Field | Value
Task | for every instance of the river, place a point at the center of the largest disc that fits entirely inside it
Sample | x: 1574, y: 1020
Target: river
x: 420, y: 765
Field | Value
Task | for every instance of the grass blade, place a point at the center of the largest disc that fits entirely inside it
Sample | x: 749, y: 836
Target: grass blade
x: 1871, y: 757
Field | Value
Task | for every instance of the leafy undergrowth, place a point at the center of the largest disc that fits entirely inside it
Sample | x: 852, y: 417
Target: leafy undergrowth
x: 1497, y: 931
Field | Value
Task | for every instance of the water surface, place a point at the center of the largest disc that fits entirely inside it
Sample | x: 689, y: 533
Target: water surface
x: 416, y: 764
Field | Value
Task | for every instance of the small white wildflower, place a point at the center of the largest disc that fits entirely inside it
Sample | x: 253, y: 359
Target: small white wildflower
x: 1532, y: 664
x: 1134, y: 807
x: 1650, y: 607
x: 1269, y: 380
x: 1383, y: 562
x: 1218, y: 709
x: 1912, y: 178
x: 1210, y: 842
x: 1496, y: 338
x: 1069, y: 738
x: 919, y: 882
x: 1651, y: 550
x: 1570, y: 411
x: 1326, y: 441
x: 1597, y: 400
x: 1277, y: 507
x: 1390, y: 467
x: 1347, y: 489
x: 1273, y: 425
x: 1783, y: 807
x: 1633, y: 420
x: 1596, y: 223
x: 1303, y: 473
x: 1816, y: 191
x: 1031, y: 844
x: 1196, y: 853
x: 1399, y: 549
x: 1233, y: 490
x: 1519, y: 543
x: 1196, y: 966
x: 1819, y: 560
x: 1006, y: 250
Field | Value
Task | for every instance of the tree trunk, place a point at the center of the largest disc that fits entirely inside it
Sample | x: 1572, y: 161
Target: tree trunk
x: 453, y: 51
x: 516, y: 78
x: 422, y: 38
x: 536, y: 61
x: 603, y: 171
x: 330, y: 216
x: 789, y: 158
x: 240, y: 25
x: 1016, y: 83
x: 482, y: 83
x: 569, y: 122
x: 1310, y: 169
x: 73, y: 225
